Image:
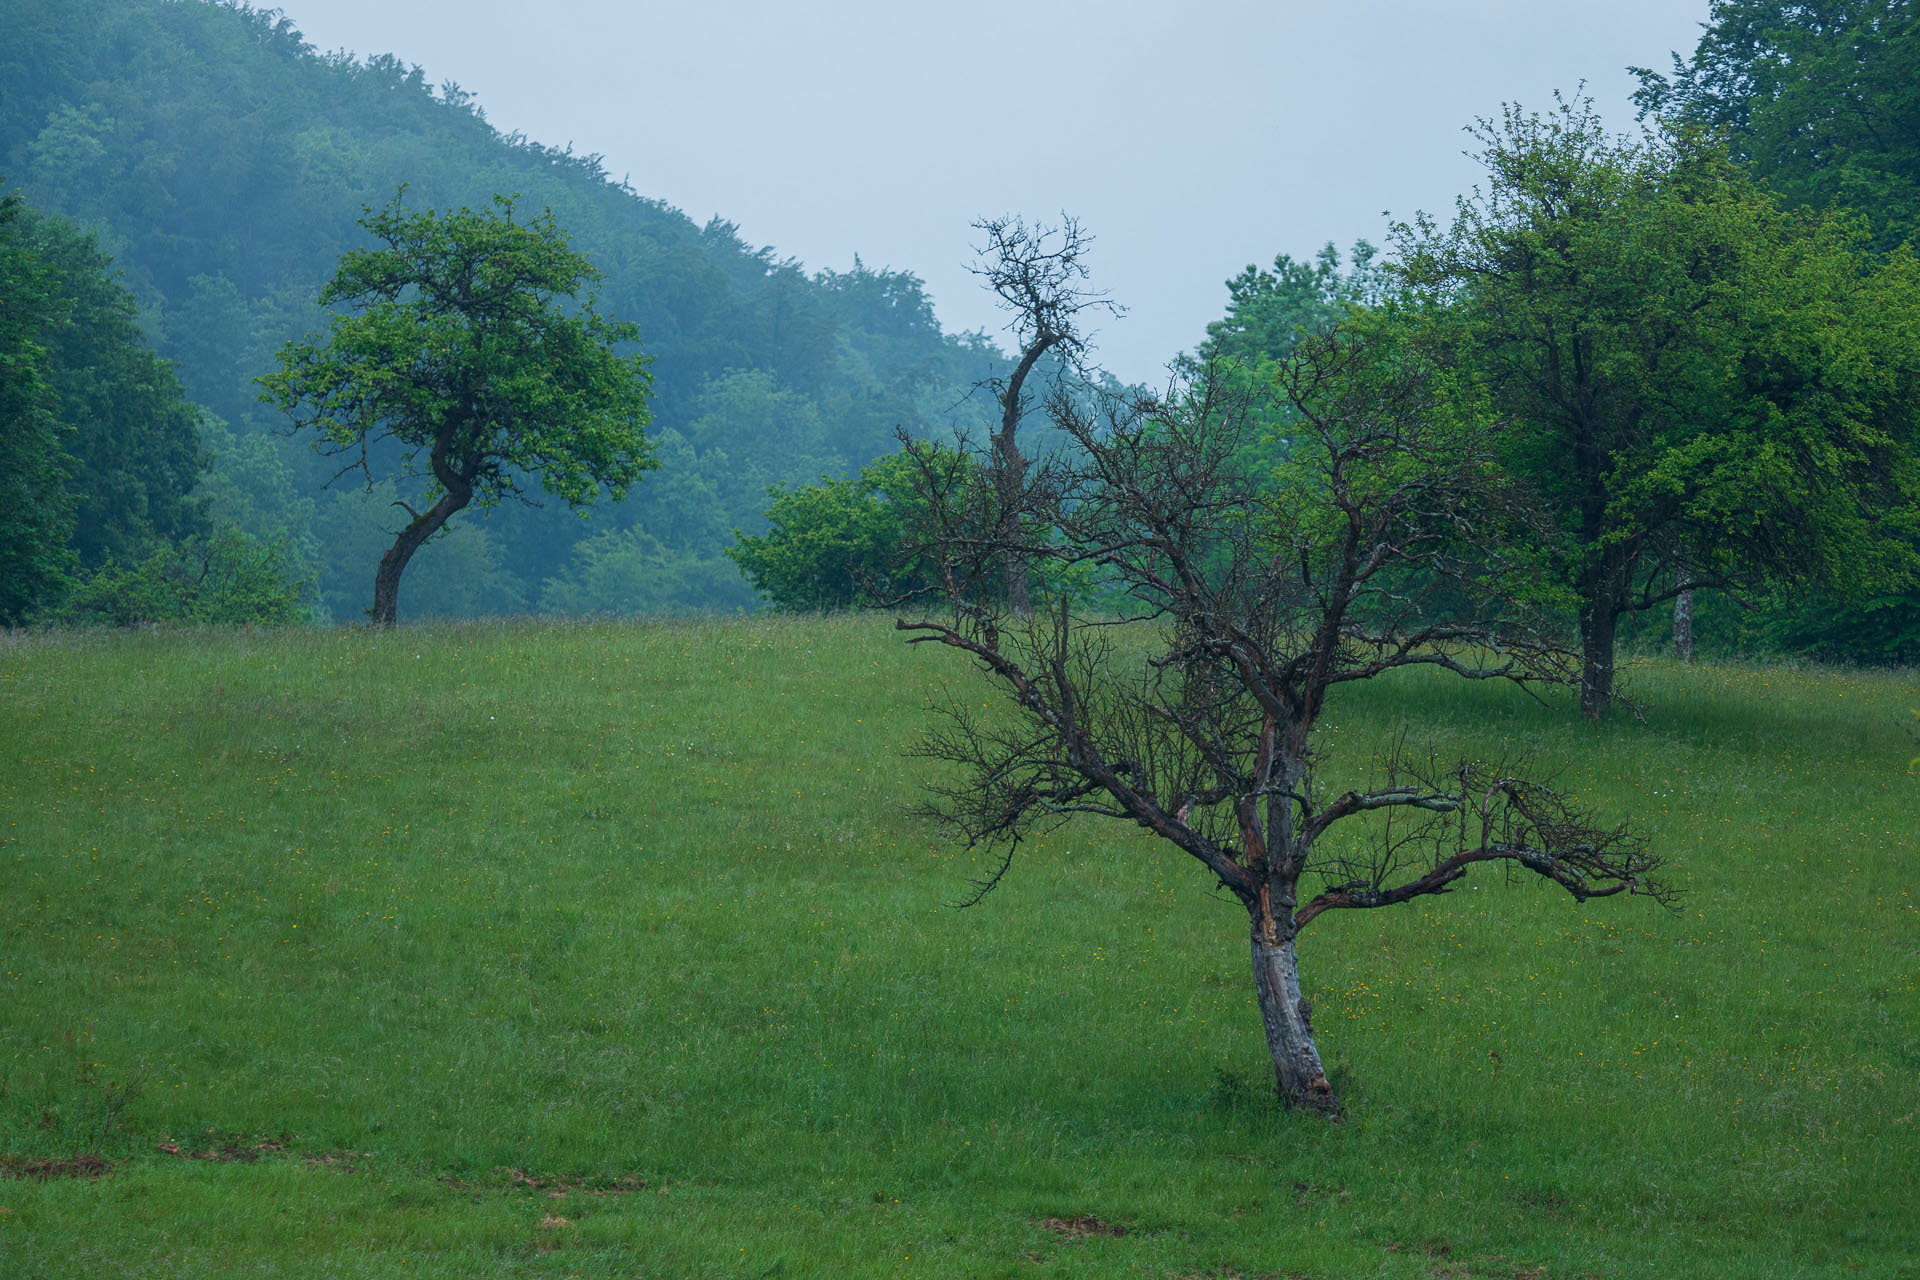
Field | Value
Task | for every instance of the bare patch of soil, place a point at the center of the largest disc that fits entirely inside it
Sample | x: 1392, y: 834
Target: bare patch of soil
x: 1082, y: 1227
x: 84, y: 1165
x: 557, y: 1186
x: 229, y: 1148
x: 342, y: 1161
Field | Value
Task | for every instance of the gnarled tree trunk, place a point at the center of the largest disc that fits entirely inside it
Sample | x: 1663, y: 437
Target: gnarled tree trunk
x: 386, y: 579
x: 1296, y: 1061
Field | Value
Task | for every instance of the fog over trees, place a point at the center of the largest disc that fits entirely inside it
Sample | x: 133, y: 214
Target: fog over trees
x: 188, y: 175
x: 223, y: 164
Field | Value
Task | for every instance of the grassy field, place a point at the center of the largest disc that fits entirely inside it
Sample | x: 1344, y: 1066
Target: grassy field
x: 611, y: 950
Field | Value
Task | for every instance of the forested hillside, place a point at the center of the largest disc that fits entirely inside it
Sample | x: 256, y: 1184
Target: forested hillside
x: 222, y: 163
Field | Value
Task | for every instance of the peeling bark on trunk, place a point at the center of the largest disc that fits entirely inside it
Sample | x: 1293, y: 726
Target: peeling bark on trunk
x: 1296, y: 1062
x: 1683, y: 620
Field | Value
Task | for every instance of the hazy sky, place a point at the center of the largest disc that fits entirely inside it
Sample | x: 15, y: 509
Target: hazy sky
x: 1190, y: 139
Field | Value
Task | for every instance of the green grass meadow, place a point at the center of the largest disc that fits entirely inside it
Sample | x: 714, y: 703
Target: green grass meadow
x: 614, y: 950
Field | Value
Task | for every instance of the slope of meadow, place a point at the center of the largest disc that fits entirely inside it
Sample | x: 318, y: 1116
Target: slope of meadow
x: 533, y: 950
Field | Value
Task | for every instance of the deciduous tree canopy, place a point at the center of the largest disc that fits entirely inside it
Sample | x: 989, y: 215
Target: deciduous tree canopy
x: 837, y: 544
x: 465, y: 346
x: 1703, y: 386
x: 134, y: 437
x: 102, y: 450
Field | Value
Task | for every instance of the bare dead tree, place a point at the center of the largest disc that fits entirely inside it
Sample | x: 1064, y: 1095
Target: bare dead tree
x: 1243, y: 601
x: 1039, y: 275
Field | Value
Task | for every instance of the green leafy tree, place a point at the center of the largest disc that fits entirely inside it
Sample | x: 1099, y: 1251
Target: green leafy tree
x: 36, y: 511
x: 1268, y: 312
x: 1708, y: 391
x: 838, y: 544
x: 103, y: 449
x: 1821, y: 100
x: 458, y: 352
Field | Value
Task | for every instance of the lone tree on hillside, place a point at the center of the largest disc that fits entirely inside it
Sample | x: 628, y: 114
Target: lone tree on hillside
x: 1247, y: 600
x: 459, y: 345
x: 1039, y: 274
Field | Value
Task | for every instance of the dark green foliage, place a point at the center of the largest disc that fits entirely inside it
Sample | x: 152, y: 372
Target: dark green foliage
x: 226, y: 578
x: 1696, y: 380
x: 226, y: 162
x: 1877, y: 631
x: 836, y: 544
x: 1821, y: 103
x: 101, y: 450
x: 1865, y: 631
x: 36, y: 512
x: 133, y: 436
x: 1821, y: 100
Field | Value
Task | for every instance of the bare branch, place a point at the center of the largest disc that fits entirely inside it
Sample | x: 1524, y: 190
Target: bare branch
x: 1249, y: 556
x: 1528, y: 824
x: 1038, y: 274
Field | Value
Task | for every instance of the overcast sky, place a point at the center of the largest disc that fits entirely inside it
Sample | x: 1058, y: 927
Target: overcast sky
x: 1190, y: 139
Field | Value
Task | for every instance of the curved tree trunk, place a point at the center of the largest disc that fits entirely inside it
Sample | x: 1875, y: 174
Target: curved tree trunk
x: 1010, y: 465
x: 386, y: 580
x: 1296, y: 1061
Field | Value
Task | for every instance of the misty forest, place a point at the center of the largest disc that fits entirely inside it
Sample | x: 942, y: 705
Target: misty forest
x: 538, y: 737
